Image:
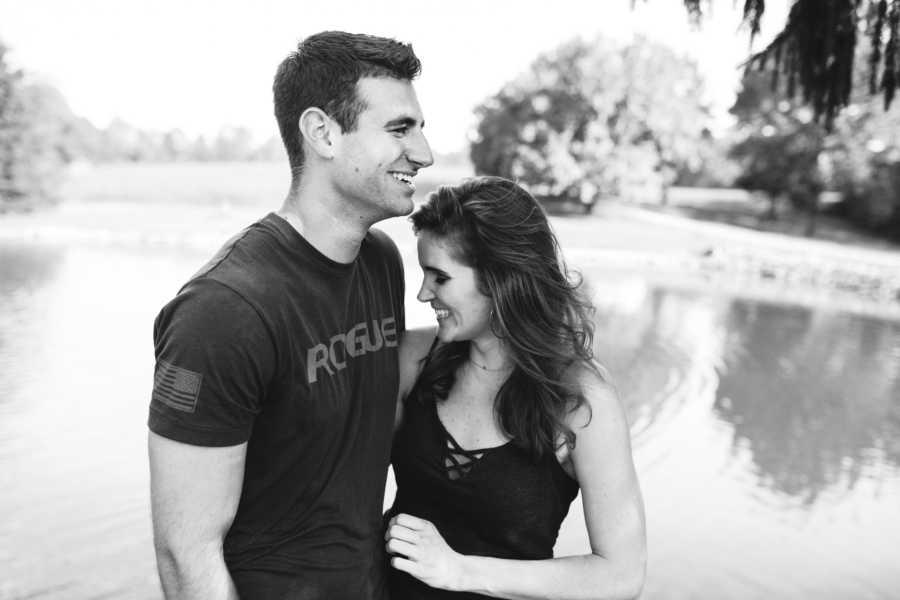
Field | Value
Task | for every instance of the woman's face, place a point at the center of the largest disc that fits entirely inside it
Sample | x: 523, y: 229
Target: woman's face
x: 462, y: 311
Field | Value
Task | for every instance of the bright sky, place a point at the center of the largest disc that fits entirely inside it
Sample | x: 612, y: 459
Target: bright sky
x: 202, y: 64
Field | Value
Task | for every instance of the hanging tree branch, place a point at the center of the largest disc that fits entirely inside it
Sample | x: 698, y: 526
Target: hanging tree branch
x: 816, y: 47
x: 815, y: 50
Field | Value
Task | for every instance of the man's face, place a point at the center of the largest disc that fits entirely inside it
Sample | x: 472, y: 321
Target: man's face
x: 375, y: 164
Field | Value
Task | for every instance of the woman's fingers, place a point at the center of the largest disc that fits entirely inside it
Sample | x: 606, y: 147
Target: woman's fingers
x: 395, y: 546
x: 406, y: 565
x: 401, y: 533
x: 427, y: 556
x: 410, y: 522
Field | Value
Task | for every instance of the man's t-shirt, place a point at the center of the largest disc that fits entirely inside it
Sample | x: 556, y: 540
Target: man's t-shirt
x: 274, y: 344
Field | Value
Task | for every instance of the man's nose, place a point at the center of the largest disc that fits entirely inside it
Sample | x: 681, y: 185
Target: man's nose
x: 419, y: 151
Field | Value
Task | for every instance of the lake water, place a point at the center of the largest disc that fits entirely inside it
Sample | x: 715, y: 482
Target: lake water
x: 766, y: 436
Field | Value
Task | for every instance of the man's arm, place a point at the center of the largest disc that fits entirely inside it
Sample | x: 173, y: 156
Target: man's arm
x: 194, y: 493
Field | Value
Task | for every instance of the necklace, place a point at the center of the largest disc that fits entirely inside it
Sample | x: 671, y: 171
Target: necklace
x: 488, y: 369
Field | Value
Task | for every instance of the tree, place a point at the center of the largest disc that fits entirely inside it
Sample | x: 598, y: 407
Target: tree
x: 233, y: 143
x: 56, y: 133
x: 591, y: 119
x: 779, y: 147
x: 816, y: 49
x: 711, y: 167
x: 38, y: 136
x: 15, y: 179
x: 783, y: 151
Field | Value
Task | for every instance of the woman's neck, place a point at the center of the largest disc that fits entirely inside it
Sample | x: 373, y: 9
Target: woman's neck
x: 490, y: 356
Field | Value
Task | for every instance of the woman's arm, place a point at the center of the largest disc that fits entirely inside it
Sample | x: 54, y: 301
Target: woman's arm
x: 613, y: 512
x: 414, y: 346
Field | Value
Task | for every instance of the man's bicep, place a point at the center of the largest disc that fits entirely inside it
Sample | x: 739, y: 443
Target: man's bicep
x: 194, y: 491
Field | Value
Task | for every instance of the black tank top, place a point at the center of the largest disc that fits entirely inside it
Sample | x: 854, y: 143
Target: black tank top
x: 494, y: 502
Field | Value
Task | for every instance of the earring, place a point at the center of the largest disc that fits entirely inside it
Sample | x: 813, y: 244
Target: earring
x: 492, y: 323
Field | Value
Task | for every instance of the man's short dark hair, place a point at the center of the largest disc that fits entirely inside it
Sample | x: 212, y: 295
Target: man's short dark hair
x: 323, y: 72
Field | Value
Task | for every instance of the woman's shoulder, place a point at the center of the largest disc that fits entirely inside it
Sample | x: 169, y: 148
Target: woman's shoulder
x: 596, y: 394
x: 596, y: 419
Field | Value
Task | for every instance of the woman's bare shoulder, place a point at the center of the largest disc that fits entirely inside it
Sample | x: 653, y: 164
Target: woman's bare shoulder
x: 594, y: 384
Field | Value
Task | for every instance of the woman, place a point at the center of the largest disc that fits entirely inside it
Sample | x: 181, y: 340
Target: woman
x: 504, y: 415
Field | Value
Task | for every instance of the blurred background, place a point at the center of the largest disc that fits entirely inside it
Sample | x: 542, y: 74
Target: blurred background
x: 740, y: 242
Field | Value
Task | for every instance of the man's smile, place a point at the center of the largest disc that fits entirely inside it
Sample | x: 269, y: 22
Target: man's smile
x: 404, y: 177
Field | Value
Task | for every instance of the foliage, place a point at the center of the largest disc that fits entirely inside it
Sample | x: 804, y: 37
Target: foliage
x: 779, y: 151
x: 864, y: 165
x: 28, y: 167
x: 592, y: 118
x: 782, y: 150
x: 816, y: 49
x: 121, y: 141
x: 711, y: 167
x: 39, y: 135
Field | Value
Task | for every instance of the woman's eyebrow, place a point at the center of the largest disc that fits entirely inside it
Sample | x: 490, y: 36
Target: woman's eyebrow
x: 435, y: 270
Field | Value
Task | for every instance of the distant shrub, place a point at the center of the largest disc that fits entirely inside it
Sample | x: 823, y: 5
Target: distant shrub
x: 30, y: 161
x: 592, y: 119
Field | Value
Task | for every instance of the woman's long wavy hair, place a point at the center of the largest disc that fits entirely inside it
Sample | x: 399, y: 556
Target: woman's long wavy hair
x: 539, y: 311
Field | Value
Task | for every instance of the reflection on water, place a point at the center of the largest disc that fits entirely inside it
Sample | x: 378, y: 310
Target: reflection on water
x: 663, y: 349
x: 766, y: 441
x: 22, y: 273
x: 77, y: 365
x: 23, y: 269
x: 813, y: 397
x: 767, y: 438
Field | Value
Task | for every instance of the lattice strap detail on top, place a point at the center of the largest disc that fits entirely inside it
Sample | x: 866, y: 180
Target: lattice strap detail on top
x: 457, y: 460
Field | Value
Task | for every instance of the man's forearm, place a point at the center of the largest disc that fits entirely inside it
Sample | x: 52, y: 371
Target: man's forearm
x: 194, y: 576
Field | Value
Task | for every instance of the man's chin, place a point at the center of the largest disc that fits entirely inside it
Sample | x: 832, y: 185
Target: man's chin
x: 404, y: 207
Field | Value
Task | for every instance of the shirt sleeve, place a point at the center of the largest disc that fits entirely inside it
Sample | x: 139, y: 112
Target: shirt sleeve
x: 214, y: 360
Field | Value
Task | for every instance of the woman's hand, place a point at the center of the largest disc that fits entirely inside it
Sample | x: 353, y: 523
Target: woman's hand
x: 423, y: 553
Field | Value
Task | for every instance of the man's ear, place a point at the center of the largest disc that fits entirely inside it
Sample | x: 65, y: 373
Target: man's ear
x: 318, y: 131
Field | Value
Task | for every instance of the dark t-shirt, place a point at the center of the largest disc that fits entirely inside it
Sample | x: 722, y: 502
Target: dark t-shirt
x: 274, y: 344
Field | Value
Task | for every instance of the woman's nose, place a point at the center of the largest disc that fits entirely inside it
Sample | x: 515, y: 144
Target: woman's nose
x: 424, y: 294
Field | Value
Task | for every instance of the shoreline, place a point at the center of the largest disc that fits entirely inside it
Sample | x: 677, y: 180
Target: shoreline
x: 728, y: 252
x: 670, y: 250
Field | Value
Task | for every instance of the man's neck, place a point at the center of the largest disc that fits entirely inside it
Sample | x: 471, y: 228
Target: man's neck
x: 324, y: 222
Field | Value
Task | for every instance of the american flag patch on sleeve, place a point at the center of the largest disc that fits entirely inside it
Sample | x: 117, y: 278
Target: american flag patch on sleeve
x: 176, y: 387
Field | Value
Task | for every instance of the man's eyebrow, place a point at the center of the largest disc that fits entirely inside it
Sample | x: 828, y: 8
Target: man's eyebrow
x: 404, y: 122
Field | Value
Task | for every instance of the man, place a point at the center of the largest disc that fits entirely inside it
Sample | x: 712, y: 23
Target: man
x: 276, y: 374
